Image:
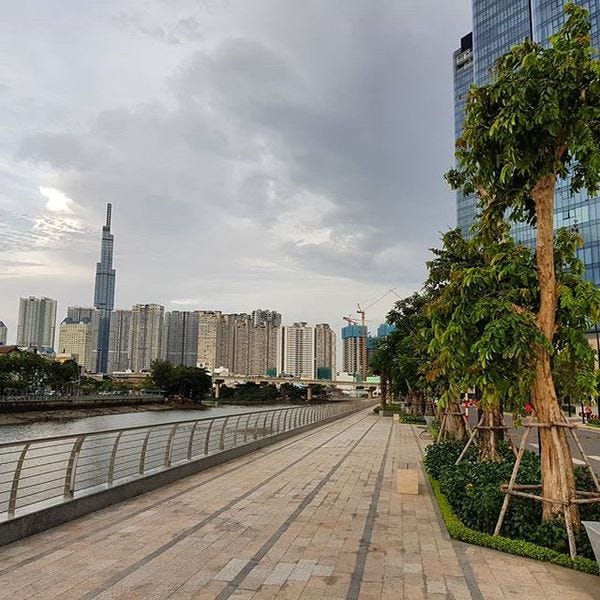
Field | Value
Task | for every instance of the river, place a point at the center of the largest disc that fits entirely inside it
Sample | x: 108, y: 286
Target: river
x: 49, y: 427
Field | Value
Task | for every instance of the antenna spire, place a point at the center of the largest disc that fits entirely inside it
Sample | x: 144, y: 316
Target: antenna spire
x: 108, y: 215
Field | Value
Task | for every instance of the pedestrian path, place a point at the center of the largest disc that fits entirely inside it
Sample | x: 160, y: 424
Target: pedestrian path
x: 314, y: 517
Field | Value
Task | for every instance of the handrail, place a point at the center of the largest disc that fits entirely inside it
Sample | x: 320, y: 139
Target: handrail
x: 55, y: 438
x: 81, y: 464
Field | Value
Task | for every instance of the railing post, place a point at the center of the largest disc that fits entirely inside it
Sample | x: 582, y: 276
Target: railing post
x: 143, y: 453
x: 69, y: 487
x: 272, y: 422
x: 113, y: 458
x: 207, y: 438
x: 279, y: 420
x: 296, y: 411
x: 237, y: 424
x: 265, y: 424
x: 246, y: 427
x: 255, y: 433
x: 12, y: 502
x: 222, y: 440
x: 169, y: 446
x: 191, y: 442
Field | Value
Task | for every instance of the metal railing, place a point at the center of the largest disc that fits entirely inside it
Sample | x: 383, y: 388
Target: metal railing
x: 36, y: 473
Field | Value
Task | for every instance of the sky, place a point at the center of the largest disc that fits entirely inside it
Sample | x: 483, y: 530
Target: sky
x: 258, y: 154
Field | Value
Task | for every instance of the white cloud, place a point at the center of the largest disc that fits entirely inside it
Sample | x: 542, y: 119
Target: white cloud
x: 57, y: 201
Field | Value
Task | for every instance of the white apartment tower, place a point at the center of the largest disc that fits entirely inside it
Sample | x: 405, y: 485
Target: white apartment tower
x: 37, y: 322
x: 296, y: 351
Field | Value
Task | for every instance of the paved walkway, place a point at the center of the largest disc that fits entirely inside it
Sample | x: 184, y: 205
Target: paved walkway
x: 316, y: 516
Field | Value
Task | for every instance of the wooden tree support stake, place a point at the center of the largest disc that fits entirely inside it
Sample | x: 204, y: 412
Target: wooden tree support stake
x: 518, y: 490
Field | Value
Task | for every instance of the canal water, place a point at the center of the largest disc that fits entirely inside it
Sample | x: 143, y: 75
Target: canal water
x: 49, y: 428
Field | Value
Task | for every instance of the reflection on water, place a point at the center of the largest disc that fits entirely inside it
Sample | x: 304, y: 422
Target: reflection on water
x: 48, y: 428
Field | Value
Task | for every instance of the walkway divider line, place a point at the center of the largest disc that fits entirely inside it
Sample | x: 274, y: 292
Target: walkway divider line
x: 190, y: 530
x: 264, y: 549
x: 365, y: 541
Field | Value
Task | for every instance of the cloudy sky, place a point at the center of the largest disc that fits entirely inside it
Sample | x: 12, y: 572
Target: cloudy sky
x: 280, y: 154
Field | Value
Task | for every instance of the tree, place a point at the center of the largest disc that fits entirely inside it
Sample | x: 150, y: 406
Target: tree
x: 484, y: 328
x: 192, y: 383
x: 538, y: 121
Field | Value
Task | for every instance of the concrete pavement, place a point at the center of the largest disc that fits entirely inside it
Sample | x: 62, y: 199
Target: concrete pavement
x: 313, y: 517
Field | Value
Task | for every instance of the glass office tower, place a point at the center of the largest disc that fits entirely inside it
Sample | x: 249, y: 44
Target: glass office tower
x: 104, y: 293
x: 498, y: 25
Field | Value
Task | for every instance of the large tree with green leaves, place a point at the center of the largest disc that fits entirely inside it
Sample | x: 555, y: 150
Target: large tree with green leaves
x: 538, y: 121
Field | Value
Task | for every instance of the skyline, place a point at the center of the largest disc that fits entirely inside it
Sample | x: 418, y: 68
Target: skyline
x: 288, y: 154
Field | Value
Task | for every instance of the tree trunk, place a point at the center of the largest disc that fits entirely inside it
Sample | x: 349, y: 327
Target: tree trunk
x: 384, y: 389
x: 455, y: 423
x: 490, y: 438
x: 558, y: 480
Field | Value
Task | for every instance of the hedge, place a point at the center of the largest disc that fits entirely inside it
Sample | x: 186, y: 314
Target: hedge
x: 459, y: 531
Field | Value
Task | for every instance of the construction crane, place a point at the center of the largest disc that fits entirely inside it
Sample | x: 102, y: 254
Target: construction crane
x: 362, y: 312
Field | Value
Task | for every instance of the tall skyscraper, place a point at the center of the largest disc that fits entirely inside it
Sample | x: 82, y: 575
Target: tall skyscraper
x: 118, y: 348
x: 76, y: 337
x: 181, y: 343
x: 296, y: 351
x: 3, y: 334
x: 37, y: 322
x: 498, y: 25
x: 146, y: 338
x: 325, y: 351
x: 104, y: 292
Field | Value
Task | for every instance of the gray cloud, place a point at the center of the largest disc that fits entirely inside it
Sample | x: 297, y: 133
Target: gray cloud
x: 288, y: 151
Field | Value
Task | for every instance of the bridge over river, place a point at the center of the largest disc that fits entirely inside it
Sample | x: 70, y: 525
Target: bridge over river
x: 312, y: 516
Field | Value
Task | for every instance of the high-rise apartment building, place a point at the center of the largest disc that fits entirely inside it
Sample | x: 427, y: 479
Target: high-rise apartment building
x: 3, y: 334
x: 181, y: 339
x: 266, y: 317
x: 296, y: 351
x: 146, y: 339
x: 79, y: 313
x: 209, y: 323
x: 76, y: 338
x: 118, y: 348
x: 498, y: 25
x: 352, y: 348
x: 325, y: 350
x: 104, y: 293
x: 37, y: 322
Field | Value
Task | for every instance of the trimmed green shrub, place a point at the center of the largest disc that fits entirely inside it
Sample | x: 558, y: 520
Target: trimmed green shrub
x: 412, y: 419
x: 459, y: 531
x: 473, y: 491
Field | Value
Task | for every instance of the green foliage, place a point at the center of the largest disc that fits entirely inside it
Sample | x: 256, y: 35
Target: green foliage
x: 459, y: 531
x: 472, y: 489
x: 188, y: 382
x: 483, y: 319
x: 27, y: 373
x: 594, y: 422
x: 412, y: 419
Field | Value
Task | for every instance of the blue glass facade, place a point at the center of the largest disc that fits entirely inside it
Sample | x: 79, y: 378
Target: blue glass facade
x: 104, y: 293
x: 385, y: 329
x: 462, y: 61
x: 498, y: 25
